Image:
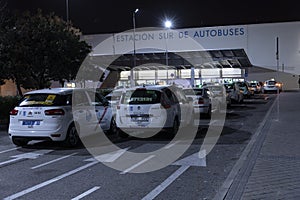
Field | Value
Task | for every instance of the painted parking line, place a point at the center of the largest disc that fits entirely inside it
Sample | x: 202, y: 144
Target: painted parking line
x: 137, y: 164
x: 172, y: 144
x: 154, y: 193
x: 196, y: 159
x: 24, y: 156
x: 86, y: 193
x: 48, y: 182
x: 53, y: 161
x: 8, y: 150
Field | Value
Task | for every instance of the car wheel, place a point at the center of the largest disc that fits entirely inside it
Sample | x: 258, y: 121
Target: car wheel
x: 121, y: 133
x: 208, y: 114
x: 72, y: 139
x: 173, y: 131
x: 20, y: 142
x: 113, y: 126
x: 229, y: 103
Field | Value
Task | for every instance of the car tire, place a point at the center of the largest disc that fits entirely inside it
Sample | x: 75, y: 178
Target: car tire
x: 208, y: 114
x: 121, y: 133
x: 113, y: 126
x: 174, y: 129
x: 20, y: 142
x: 72, y: 139
x: 229, y: 103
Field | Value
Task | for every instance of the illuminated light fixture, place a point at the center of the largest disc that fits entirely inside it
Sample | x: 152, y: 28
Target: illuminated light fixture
x: 168, y: 24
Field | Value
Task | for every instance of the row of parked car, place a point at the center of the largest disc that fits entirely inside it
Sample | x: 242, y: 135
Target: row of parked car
x: 62, y: 114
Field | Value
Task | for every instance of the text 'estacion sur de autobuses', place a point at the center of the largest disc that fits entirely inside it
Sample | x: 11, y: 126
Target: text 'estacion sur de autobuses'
x: 170, y: 34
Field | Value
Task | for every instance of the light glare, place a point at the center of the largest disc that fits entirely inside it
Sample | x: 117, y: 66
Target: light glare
x: 168, y: 24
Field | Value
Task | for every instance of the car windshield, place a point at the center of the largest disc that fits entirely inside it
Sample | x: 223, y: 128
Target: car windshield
x: 44, y: 100
x: 218, y: 90
x: 141, y: 96
x: 271, y: 82
x: 192, y: 91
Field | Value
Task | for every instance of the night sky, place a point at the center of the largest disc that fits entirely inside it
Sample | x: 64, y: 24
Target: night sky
x: 108, y: 16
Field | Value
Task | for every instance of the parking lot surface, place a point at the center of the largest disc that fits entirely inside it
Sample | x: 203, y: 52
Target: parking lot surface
x: 48, y: 170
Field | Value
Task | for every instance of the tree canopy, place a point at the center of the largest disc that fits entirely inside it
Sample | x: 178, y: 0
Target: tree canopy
x: 37, y: 48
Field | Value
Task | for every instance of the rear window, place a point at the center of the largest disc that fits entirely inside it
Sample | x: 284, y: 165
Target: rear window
x: 45, y: 100
x: 141, y: 97
x: 192, y: 91
x: 216, y: 89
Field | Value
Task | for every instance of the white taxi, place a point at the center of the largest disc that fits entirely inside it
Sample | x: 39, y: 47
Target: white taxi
x: 151, y: 109
x: 47, y: 114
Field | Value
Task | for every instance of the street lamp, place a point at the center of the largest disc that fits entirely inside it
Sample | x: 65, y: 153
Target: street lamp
x: 168, y: 25
x: 67, y: 10
x: 134, y: 59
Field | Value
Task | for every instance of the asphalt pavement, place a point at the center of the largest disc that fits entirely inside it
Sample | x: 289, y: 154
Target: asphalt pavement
x: 269, y: 167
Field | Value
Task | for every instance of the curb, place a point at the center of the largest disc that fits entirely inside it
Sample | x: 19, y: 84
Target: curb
x: 246, y: 161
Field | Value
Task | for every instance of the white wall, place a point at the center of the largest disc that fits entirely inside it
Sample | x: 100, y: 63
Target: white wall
x: 262, y: 45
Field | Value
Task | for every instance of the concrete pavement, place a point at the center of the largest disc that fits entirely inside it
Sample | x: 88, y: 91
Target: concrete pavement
x: 269, y: 167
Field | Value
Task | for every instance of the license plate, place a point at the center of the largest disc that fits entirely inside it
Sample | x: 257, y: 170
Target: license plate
x: 140, y: 119
x: 30, y: 122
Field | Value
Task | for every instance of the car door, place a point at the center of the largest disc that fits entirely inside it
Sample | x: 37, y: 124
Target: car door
x: 186, y: 106
x: 101, y: 111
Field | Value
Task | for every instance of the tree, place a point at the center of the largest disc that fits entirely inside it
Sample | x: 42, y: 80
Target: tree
x: 36, y: 49
x: 3, y: 74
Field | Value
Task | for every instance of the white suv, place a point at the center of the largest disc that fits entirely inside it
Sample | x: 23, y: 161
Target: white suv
x: 151, y: 109
x: 47, y: 114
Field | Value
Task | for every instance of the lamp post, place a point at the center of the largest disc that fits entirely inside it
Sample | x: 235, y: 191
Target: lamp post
x: 67, y: 10
x: 168, y: 25
x: 134, y: 59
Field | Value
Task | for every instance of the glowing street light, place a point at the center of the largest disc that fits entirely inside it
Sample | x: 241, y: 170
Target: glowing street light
x: 168, y: 25
x: 67, y: 10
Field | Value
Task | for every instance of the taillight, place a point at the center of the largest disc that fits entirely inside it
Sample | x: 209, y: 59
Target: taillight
x: 55, y: 112
x: 13, y: 112
x: 165, y: 105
